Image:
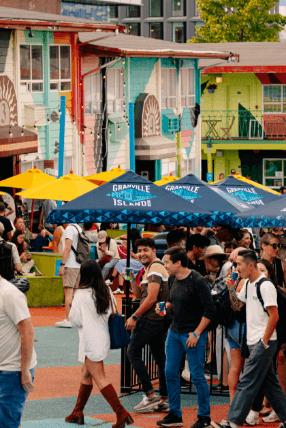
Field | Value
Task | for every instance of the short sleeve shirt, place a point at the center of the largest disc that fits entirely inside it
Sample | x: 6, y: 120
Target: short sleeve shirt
x: 158, y: 274
x: 71, y: 233
x: 15, y: 253
x: 7, y: 227
x: 13, y: 309
x: 256, y: 317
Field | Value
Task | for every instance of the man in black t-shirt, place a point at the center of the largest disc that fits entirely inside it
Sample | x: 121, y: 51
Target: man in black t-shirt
x: 195, y: 246
x: 7, y: 234
x: 191, y: 302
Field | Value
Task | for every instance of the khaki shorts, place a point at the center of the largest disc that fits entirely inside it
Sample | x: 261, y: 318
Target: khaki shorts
x: 71, y: 277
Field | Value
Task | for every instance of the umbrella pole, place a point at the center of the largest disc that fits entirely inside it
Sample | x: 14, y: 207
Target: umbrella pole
x: 32, y: 214
x: 128, y: 266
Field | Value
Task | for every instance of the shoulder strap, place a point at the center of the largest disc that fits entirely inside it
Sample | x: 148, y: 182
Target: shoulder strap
x: 258, y: 292
x: 156, y: 261
x: 246, y: 284
x: 279, y: 271
x: 72, y: 247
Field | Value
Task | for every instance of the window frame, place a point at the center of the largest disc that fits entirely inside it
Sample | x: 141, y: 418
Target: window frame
x: 108, y: 101
x: 59, y: 80
x: 98, y: 84
x: 134, y: 23
x: 264, y: 177
x: 128, y: 12
x: 161, y: 29
x: 161, y: 9
x: 29, y: 82
x: 183, y: 9
x: 186, y: 94
x: 169, y: 97
x: 176, y: 25
x: 273, y: 102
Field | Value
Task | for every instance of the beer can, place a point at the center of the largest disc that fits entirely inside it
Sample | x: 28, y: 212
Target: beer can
x: 128, y: 274
x: 233, y: 277
x: 162, y: 306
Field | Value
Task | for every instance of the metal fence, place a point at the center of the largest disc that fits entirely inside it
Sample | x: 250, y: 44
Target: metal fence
x: 129, y: 379
x: 243, y: 124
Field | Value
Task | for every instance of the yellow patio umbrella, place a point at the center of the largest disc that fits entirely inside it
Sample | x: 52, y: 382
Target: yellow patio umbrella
x: 2, y: 193
x: 166, y: 180
x: 104, y: 177
x: 65, y: 188
x: 252, y: 183
x: 26, y: 180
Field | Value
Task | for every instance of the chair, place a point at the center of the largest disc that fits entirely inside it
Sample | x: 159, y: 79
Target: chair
x: 226, y: 131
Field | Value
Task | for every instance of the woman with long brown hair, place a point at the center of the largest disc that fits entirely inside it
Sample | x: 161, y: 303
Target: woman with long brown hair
x: 91, y: 308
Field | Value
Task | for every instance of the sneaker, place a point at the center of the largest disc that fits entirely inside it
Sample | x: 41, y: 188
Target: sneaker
x: 271, y: 418
x: 207, y: 376
x: 202, y: 422
x: 252, y: 418
x: 184, y: 383
x: 148, y: 403
x: 64, y: 323
x: 118, y: 291
x: 222, y: 424
x: 282, y: 425
x: 108, y: 282
x: 162, y: 407
x: 219, y: 387
x: 186, y: 375
x: 171, y: 420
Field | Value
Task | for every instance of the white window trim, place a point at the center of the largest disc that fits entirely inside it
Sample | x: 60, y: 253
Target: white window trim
x: 30, y: 81
x: 281, y: 102
x: 169, y: 97
x: 113, y: 101
x: 273, y: 178
x: 59, y: 80
x: 93, y: 94
x: 186, y: 95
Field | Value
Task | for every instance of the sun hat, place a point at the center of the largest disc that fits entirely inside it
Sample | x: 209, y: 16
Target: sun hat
x: 213, y: 250
x: 102, y: 235
x: 233, y: 255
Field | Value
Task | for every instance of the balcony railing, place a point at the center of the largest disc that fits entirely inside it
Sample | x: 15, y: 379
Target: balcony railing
x: 243, y: 125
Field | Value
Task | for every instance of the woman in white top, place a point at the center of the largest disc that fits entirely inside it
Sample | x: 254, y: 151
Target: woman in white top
x: 91, y: 308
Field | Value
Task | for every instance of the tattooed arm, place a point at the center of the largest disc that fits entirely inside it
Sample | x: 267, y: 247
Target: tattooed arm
x: 236, y: 304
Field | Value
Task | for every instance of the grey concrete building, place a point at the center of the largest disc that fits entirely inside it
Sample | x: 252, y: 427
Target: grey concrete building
x: 172, y: 20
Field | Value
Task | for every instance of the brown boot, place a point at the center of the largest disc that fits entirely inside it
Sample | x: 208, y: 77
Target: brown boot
x: 77, y: 416
x: 123, y: 417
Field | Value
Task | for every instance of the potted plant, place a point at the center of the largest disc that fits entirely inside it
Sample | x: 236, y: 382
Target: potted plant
x: 211, y: 88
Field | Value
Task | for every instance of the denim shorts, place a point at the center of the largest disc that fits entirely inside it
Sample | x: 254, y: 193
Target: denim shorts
x: 233, y: 335
x: 12, y: 398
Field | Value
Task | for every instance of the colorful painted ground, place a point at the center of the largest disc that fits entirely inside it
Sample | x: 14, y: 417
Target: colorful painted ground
x: 57, y: 382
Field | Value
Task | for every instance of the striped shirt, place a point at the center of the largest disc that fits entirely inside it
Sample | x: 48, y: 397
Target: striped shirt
x: 158, y: 274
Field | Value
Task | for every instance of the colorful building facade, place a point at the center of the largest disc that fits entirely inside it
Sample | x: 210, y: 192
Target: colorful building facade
x: 244, y: 113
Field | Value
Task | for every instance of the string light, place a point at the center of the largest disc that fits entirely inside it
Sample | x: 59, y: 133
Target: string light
x: 91, y: 133
x: 22, y: 133
x: 48, y: 121
x: 121, y: 72
x: 104, y: 77
x: 82, y: 131
x: 10, y: 132
x: 35, y: 126
x: 123, y: 61
x: 118, y: 128
x: 110, y: 133
x: 73, y: 121
x: 60, y: 111
x: 98, y: 135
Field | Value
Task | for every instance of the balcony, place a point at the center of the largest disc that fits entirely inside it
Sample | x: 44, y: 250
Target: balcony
x: 243, y: 125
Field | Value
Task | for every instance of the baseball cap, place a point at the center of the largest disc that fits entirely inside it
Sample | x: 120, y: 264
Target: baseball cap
x: 102, y: 235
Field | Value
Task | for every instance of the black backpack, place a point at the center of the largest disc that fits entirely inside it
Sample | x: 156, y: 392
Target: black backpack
x: 281, y: 302
x: 83, y: 247
x: 6, y: 261
x: 225, y: 315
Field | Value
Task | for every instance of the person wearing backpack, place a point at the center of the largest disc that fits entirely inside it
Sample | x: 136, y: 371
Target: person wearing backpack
x: 261, y: 340
x: 192, y: 305
x: 69, y: 269
x: 9, y: 258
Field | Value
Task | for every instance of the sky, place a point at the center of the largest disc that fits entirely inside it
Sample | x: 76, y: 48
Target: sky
x: 282, y: 2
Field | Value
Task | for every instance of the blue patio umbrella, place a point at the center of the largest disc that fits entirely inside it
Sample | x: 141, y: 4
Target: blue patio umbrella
x: 269, y: 215
x: 222, y: 205
x: 131, y: 198
x: 246, y: 192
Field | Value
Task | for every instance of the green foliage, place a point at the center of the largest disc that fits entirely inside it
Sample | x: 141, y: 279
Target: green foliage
x: 238, y: 21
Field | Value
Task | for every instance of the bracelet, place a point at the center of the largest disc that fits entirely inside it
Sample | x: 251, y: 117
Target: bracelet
x: 233, y: 289
x: 264, y: 344
x: 196, y: 336
x: 62, y: 264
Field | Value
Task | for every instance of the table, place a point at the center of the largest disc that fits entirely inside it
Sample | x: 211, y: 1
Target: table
x: 212, y: 131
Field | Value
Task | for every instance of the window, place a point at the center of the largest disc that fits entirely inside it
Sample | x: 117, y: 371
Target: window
x: 168, y: 88
x: 133, y: 11
x: 188, y: 87
x: 187, y: 167
x: 113, y: 11
x: 60, y: 68
x: 134, y: 29
x: 115, y: 90
x: 93, y: 93
x: 179, y: 32
x: 274, y: 173
x: 198, y: 24
x: 178, y: 8
x: 155, y: 8
x: 156, y: 30
x: 197, y: 12
x: 274, y: 98
x: 31, y: 68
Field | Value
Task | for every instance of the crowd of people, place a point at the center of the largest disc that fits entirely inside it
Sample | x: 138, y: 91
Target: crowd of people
x: 196, y: 263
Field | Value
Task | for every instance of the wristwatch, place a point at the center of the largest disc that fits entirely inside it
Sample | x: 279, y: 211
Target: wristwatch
x: 134, y: 317
x: 264, y: 344
x: 62, y: 264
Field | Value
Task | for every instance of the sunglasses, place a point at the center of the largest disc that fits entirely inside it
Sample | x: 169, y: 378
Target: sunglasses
x: 275, y: 246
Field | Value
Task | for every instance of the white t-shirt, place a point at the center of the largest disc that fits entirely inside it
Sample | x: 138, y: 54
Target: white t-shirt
x: 13, y: 309
x: 71, y: 232
x: 256, y: 318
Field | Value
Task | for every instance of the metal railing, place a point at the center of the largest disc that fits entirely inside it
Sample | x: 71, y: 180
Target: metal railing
x: 243, y: 125
x: 129, y: 380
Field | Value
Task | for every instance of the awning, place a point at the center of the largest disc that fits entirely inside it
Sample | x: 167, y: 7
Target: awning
x: 154, y: 148
x: 15, y: 140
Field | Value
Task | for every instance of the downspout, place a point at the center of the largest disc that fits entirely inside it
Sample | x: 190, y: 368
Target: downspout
x: 198, y: 127
x: 179, y: 137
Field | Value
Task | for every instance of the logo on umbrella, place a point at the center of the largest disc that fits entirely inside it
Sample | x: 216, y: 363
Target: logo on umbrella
x: 247, y: 195
x: 185, y: 192
x: 132, y: 197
